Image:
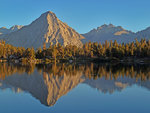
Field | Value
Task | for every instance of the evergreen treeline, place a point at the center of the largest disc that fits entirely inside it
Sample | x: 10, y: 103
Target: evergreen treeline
x: 89, y: 50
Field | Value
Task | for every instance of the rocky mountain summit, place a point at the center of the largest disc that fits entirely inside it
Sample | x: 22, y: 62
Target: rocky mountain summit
x: 46, y: 29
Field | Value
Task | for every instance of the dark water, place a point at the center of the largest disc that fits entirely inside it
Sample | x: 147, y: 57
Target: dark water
x: 74, y: 88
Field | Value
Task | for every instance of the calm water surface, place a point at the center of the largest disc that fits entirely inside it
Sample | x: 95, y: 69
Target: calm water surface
x: 74, y: 88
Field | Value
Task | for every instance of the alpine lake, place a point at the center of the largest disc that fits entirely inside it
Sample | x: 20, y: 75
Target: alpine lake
x: 75, y: 88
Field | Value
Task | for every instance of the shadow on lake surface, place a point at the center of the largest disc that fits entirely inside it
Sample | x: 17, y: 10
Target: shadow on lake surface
x: 48, y: 83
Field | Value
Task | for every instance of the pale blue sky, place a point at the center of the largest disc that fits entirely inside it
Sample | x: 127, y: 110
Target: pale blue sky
x: 82, y: 15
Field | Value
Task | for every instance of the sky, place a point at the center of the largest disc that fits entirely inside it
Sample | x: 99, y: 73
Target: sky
x: 82, y: 15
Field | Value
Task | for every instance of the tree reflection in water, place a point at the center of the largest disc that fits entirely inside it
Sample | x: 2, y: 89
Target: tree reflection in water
x: 49, y: 82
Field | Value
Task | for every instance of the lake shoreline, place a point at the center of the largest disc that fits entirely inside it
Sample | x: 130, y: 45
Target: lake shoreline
x: 125, y: 60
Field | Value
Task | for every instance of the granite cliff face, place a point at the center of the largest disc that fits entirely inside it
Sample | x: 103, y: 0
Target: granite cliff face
x: 46, y: 29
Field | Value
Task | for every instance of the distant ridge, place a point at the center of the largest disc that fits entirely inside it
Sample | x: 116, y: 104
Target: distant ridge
x: 4, y: 30
x: 112, y: 32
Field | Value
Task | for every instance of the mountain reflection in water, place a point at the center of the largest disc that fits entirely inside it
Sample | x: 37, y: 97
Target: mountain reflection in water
x: 48, y: 83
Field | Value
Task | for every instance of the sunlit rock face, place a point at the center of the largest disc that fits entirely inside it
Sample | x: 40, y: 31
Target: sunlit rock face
x: 46, y: 29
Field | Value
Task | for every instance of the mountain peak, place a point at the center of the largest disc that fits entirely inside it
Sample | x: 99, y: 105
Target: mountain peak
x: 49, y: 14
x: 111, y: 25
x: 46, y: 29
x: 107, y: 32
x: 106, y: 26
